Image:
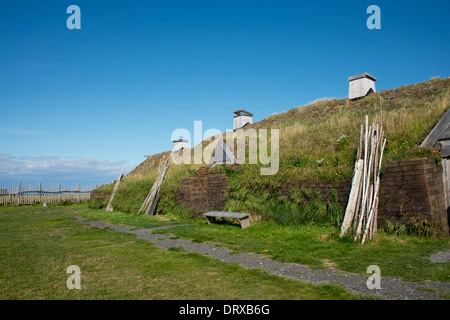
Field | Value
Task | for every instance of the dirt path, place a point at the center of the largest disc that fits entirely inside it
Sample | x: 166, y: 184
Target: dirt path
x: 391, y: 288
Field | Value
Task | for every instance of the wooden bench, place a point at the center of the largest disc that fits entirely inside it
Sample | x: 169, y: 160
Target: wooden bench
x: 243, y: 218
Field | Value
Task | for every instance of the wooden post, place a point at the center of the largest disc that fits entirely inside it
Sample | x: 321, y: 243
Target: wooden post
x: 152, y: 190
x: 19, y: 196
x: 371, y: 213
x: 59, y: 193
x: 116, y: 186
x: 154, y: 204
x: 446, y: 181
x: 156, y: 185
x: 358, y: 157
x: 78, y: 192
x: 365, y: 181
x: 352, y: 201
x: 373, y: 227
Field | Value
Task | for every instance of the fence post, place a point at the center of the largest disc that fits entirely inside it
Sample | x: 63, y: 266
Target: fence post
x: 59, y: 193
x: 78, y: 192
x: 19, y: 198
x: 40, y: 194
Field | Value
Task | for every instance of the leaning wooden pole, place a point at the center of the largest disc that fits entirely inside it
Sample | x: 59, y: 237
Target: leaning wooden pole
x: 361, y: 214
x: 155, y: 183
x: 116, y: 186
x: 352, y: 204
x: 353, y: 199
x: 366, y: 180
x: 149, y: 205
x: 152, y: 203
x: 374, y: 205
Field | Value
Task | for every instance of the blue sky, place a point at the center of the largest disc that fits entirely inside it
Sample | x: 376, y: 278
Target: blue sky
x: 77, y: 106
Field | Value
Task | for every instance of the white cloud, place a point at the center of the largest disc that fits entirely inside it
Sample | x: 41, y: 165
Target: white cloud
x: 58, y: 170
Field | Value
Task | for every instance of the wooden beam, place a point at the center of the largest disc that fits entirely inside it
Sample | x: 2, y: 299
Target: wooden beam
x: 352, y: 200
x: 116, y: 186
x: 435, y: 134
x: 446, y: 178
x: 154, y: 204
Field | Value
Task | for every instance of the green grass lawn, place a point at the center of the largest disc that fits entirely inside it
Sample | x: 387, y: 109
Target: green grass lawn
x: 403, y: 256
x: 38, y: 244
x: 320, y: 247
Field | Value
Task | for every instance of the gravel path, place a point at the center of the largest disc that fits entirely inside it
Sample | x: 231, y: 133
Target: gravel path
x: 441, y: 257
x: 391, y: 288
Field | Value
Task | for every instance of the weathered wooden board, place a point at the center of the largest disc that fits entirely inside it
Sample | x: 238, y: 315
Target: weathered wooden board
x: 154, y: 204
x: 437, y: 132
x: 352, y: 200
x: 116, y: 186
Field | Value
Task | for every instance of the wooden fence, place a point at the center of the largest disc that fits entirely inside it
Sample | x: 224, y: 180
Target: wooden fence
x: 21, y: 195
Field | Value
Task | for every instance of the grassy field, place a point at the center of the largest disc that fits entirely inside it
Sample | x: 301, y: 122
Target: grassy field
x: 318, y: 246
x: 38, y: 244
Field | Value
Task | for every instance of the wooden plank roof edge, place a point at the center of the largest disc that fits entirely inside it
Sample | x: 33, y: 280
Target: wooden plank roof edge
x: 435, y: 133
